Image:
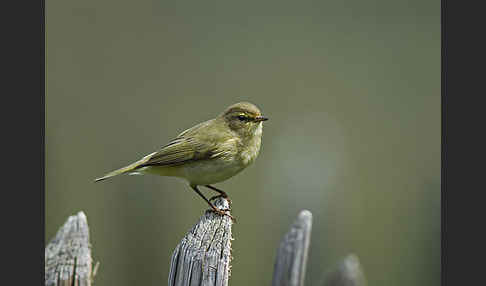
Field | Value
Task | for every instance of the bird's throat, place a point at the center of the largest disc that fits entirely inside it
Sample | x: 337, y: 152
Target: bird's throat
x: 251, y: 148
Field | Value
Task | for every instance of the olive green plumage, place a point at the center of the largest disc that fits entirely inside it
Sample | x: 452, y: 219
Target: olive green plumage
x: 209, y: 152
x: 233, y: 135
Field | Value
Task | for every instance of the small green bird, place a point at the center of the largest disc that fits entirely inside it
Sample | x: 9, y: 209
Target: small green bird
x: 208, y: 153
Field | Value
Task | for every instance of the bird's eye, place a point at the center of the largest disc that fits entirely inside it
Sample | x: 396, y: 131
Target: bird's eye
x: 242, y: 117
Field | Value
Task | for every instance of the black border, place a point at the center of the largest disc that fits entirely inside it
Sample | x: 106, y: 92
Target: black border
x: 42, y: 127
x: 23, y: 112
x: 463, y: 127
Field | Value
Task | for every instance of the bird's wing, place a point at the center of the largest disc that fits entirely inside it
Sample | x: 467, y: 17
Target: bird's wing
x: 179, y: 151
x: 188, y: 146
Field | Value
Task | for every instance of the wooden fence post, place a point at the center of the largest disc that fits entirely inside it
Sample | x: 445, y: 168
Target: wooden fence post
x: 68, y: 254
x: 347, y: 273
x: 203, y: 256
x: 292, y: 252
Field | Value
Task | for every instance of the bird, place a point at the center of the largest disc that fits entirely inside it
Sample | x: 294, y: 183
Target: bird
x: 208, y: 153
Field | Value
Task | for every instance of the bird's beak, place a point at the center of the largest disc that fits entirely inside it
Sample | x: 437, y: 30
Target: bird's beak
x: 260, y: 118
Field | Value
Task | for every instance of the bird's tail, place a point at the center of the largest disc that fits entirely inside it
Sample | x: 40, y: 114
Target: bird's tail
x: 128, y: 169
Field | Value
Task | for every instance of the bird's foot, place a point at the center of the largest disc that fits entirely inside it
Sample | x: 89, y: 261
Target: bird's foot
x: 225, y: 196
x: 223, y: 213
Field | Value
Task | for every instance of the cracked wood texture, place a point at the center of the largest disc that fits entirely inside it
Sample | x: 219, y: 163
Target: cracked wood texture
x: 68, y: 254
x: 292, y: 252
x: 347, y: 273
x: 203, y: 256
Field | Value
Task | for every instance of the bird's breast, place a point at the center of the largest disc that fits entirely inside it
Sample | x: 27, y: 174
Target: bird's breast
x: 211, y: 171
x: 251, y: 149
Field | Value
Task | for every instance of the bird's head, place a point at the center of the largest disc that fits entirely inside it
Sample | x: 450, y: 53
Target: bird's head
x: 244, y: 118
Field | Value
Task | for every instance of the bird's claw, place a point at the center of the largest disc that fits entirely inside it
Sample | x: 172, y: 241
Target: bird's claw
x: 223, y: 213
x: 220, y: 196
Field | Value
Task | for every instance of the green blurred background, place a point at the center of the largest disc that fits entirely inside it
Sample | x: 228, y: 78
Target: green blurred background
x: 352, y: 89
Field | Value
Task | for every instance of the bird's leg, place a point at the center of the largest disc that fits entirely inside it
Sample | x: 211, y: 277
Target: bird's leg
x: 215, y: 209
x: 222, y: 194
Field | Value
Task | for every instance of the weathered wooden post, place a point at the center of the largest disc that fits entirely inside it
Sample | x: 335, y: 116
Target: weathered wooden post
x: 203, y: 256
x: 292, y: 252
x: 347, y: 273
x: 68, y: 255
